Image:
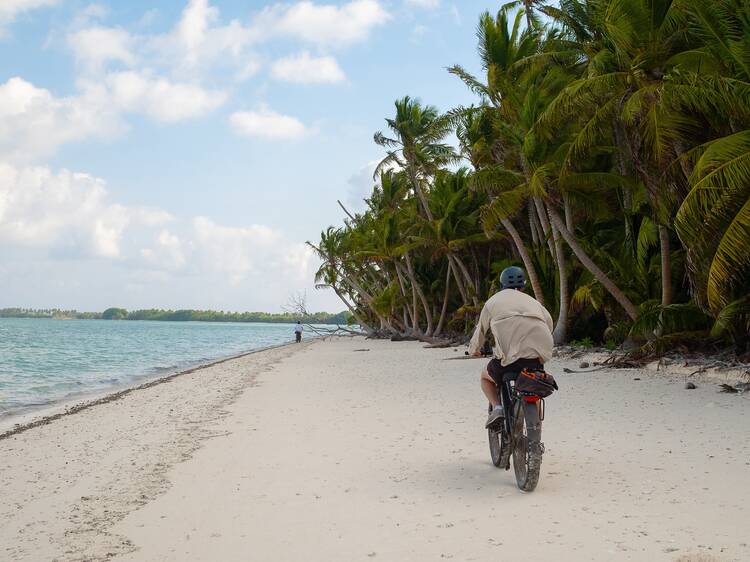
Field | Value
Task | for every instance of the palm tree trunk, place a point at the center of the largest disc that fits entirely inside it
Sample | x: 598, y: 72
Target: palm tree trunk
x: 527, y: 263
x: 439, y: 329
x: 652, y: 188
x: 545, y: 225
x: 623, y: 145
x: 420, y: 195
x: 356, y: 315
x: 467, y: 276
x: 560, y: 333
x: 568, y: 214
x: 402, y: 284
x: 415, y: 309
x: 533, y: 224
x: 396, y: 321
x: 454, y: 269
x: 367, y: 298
x: 666, y: 267
x: 418, y: 288
x: 589, y: 264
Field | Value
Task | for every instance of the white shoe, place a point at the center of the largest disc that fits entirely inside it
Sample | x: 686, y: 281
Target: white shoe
x: 495, y: 415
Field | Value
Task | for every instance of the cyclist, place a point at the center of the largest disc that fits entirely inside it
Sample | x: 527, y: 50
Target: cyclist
x: 522, y: 328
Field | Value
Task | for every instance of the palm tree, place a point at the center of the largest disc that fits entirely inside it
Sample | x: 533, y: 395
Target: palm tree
x: 417, y: 145
x: 418, y: 149
x: 629, y: 52
x: 714, y: 220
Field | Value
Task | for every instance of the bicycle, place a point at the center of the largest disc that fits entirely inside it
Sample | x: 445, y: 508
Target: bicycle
x: 519, y: 435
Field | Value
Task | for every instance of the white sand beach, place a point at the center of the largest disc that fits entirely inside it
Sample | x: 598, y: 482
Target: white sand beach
x: 351, y: 449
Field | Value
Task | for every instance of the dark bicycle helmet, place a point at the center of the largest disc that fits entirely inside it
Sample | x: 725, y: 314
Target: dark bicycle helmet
x: 513, y: 278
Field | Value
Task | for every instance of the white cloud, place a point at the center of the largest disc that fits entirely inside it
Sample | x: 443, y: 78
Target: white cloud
x: 198, y: 40
x: 96, y: 46
x: 196, y: 19
x: 161, y: 99
x: 418, y: 32
x: 70, y: 216
x: 249, y: 69
x: 424, y: 3
x: 361, y: 185
x: 167, y: 254
x: 305, y: 69
x: 34, y: 123
x: 10, y: 9
x: 322, y: 24
x: 268, y: 124
x: 90, y: 13
x: 66, y: 213
x: 59, y: 228
x: 251, y: 250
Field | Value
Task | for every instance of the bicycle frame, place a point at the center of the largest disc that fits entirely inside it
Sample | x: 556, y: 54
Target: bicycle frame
x: 506, y: 393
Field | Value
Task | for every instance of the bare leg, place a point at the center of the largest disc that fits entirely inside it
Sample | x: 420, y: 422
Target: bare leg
x: 489, y: 388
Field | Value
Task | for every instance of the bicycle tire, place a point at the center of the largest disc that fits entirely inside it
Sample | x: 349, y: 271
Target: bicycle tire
x: 496, y: 447
x: 499, y: 447
x: 527, y: 446
x: 496, y: 443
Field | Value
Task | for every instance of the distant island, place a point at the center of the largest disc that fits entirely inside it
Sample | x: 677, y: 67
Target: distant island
x: 342, y: 318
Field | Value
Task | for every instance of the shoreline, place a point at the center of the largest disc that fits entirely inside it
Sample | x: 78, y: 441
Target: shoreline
x: 690, y: 369
x: 69, y: 478
x: 35, y: 416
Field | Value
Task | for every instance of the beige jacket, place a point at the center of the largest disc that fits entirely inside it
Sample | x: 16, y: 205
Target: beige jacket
x: 521, y: 325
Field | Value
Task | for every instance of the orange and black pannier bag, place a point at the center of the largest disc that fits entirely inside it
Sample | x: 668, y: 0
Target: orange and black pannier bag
x: 535, y: 382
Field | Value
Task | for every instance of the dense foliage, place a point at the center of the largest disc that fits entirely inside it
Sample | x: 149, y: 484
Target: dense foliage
x: 342, y: 318
x: 608, y: 154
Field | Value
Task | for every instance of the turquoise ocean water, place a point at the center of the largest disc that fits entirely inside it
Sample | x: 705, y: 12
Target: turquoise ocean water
x: 43, y: 361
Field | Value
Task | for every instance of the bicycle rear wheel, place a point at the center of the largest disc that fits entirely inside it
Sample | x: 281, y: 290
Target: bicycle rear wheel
x: 527, y: 446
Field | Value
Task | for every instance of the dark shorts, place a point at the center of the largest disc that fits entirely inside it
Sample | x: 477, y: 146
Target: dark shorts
x: 497, y: 371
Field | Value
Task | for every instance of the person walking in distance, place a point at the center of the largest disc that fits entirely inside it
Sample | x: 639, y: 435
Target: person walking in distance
x: 298, y: 330
x: 522, y: 328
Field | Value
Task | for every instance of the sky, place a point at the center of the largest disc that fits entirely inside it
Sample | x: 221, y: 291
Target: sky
x: 179, y: 154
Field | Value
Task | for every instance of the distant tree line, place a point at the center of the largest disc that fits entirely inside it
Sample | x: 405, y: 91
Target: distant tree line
x: 178, y: 315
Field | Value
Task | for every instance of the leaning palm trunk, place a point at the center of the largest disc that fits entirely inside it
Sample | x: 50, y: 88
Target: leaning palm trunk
x: 439, y: 329
x: 560, y: 333
x: 652, y: 188
x: 421, y: 196
x: 385, y: 324
x: 666, y: 268
x: 545, y: 225
x: 452, y: 258
x: 418, y: 288
x: 469, y: 281
x: 457, y: 276
x: 589, y: 264
x: 365, y: 326
x: 402, y: 283
x: 527, y: 263
x: 569, y: 224
x: 534, y: 225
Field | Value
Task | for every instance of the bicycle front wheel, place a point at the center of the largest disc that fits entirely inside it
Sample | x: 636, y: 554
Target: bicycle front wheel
x: 527, y: 445
x: 499, y: 447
